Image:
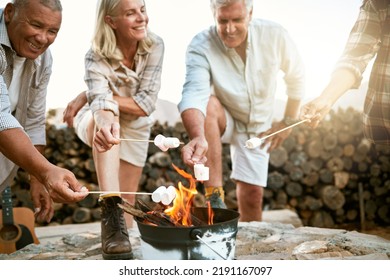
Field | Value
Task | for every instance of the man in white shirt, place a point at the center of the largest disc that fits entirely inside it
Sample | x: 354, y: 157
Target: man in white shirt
x: 229, y: 95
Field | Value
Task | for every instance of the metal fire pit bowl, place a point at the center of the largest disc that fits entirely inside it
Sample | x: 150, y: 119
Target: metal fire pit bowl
x: 209, y: 242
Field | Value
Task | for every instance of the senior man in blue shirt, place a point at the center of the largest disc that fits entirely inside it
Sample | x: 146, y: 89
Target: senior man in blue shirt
x: 27, y: 29
x: 228, y: 97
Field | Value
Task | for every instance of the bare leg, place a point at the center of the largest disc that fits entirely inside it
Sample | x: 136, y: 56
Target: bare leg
x: 215, y: 124
x: 129, y: 177
x: 250, y: 201
x: 106, y: 164
x: 115, y: 239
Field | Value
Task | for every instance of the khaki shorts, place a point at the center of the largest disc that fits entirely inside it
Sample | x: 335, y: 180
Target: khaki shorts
x: 248, y: 165
x: 132, y: 152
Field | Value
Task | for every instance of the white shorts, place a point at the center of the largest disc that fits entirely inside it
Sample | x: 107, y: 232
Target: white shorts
x: 132, y: 152
x: 248, y: 165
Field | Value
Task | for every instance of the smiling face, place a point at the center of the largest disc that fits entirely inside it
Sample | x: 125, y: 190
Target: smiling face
x: 232, y: 23
x: 31, y: 28
x: 130, y: 21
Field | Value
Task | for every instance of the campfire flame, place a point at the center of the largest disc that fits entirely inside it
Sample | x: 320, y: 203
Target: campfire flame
x: 180, y: 212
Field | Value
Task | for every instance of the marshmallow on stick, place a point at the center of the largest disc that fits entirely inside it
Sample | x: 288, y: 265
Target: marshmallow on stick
x: 255, y: 142
x: 164, y: 195
x: 165, y: 143
x: 168, y: 196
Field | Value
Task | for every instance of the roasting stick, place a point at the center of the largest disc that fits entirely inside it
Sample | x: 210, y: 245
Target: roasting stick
x: 107, y: 192
x: 283, y: 129
x: 140, y: 140
x: 135, y: 140
x: 256, y: 141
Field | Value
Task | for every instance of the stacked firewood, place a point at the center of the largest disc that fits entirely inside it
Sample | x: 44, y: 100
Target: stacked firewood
x: 330, y: 175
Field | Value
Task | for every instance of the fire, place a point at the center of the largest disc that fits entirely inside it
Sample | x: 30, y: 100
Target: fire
x: 180, y: 212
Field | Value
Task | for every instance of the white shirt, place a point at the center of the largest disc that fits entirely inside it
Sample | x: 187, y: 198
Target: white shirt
x: 246, y: 90
x: 14, y: 87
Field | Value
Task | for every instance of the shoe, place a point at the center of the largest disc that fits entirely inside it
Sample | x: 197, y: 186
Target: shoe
x: 216, y: 198
x: 115, y: 238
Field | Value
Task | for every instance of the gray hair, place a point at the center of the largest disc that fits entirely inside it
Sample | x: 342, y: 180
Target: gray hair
x: 54, y: 5
x: 216, y: 4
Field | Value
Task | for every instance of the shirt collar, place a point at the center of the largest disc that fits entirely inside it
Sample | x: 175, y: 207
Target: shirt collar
x: 140, y: 52
x: 4, y: 39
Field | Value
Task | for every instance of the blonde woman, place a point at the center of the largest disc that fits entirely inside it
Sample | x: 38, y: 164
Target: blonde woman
x: 123, y: 73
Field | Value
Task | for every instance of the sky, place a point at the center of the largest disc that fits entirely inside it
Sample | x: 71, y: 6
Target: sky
x: 318, y: 27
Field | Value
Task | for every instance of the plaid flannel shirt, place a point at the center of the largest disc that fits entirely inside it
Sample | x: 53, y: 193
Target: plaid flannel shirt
x: 370, y: 37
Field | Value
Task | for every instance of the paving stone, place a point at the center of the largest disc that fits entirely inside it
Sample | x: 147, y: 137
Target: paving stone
x: 254, y: 241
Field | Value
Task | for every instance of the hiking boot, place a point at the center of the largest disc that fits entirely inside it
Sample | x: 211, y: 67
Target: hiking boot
x: 115, y: 238
x: 216, y: 197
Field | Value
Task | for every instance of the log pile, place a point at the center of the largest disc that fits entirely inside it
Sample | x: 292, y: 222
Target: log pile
x: 330, y: 176
x: 319, y: 172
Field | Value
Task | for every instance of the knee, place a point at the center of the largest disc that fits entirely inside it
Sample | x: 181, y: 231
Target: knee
x: 253, y: 195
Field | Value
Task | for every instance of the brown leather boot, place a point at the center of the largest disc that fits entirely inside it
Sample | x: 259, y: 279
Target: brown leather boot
x: 115, y: 238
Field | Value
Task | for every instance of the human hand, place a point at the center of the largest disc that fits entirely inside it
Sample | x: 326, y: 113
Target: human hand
x: 276, y: 140
x: 315, y: 110
x: 195, y: 151
x: 73, y: 108
x: 106, y: 137
x: 43, y: 204
x: 62, y: 185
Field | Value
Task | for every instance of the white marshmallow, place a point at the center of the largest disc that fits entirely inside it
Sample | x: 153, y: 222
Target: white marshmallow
x: 164, y: 195
x: 253, y: 143
x: 201, y: 172
x: 165, y: 143
x: 171, y: 142
x: 157, y: 194
x: 169, y: 195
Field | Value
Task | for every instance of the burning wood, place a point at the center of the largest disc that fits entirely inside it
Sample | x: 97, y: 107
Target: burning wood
x: 177, y: 215
x: 157, y: 218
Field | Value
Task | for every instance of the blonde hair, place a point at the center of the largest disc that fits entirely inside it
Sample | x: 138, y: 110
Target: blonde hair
x: 104, y: 40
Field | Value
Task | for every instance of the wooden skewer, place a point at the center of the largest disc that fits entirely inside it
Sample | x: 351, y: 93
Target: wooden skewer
x: 135, y: 140
x: 256, y: 141
x: 139, y: 140
x: 283, y: 129
x: 107, y: 192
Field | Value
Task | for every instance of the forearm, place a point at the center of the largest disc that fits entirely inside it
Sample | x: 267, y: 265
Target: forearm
x: 104, y: 118
x: 193, y: 121
x: 127, y: 105
x: 41, y: 150
x: 342, y: 80
x: 292, y: 108
x: 17, y: 147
